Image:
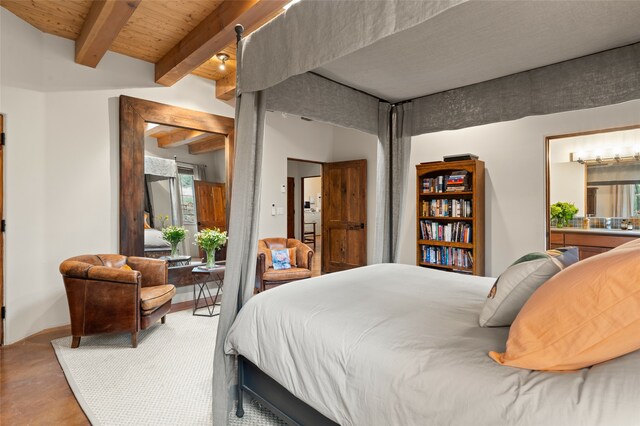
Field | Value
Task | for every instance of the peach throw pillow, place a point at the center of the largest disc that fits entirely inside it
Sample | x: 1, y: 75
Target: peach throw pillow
x: 586, y: 314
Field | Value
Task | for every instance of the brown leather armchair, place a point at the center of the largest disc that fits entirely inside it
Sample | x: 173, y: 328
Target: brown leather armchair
x: 266, y: 275
x: 105, y: 296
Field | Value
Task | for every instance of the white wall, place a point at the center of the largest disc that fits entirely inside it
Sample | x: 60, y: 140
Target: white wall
x: 62, y: 161
x: 513, y: 153
x: 313, y: 190
x: 567, y: 183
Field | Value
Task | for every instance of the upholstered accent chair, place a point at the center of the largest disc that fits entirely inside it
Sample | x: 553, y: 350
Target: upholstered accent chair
x: 114, y: 293
x: 267, y: 276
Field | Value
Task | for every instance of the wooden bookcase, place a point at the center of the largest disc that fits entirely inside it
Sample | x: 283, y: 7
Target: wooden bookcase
x: 454, y: 240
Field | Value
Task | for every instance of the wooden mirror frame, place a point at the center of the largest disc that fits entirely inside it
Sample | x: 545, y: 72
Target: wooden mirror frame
x: 547, y: 177
x: 134, y: 114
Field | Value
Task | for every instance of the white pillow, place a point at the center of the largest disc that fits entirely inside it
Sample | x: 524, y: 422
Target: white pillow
x: 517, y: 283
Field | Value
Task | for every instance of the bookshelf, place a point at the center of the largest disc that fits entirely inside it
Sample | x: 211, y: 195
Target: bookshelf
x: 450, y: 216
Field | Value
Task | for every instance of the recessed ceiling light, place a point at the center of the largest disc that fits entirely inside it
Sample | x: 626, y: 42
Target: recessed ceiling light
x: 223, y: 58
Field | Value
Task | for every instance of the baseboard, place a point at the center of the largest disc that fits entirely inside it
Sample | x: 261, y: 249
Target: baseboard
x: 182, y: 306
x: 175, y: 307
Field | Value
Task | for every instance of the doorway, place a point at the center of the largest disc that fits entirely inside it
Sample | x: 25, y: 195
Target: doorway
x: 304, y: 206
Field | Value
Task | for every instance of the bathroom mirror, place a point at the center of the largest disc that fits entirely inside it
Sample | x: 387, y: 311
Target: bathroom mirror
x: 597, y: 171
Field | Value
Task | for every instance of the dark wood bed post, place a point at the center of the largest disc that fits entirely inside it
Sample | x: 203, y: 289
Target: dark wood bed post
x: 239, y: 408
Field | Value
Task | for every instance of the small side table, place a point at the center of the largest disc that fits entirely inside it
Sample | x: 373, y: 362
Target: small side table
x: 176, y: 260
x: 201, y: 279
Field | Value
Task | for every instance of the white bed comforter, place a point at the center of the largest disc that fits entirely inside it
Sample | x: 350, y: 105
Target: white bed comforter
x: 400, y: 345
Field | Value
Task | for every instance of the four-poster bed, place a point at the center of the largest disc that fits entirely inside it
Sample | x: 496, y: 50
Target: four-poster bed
x: 464, y: 63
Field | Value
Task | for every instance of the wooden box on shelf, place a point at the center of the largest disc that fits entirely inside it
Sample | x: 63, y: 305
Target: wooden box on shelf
x: 450, y: 216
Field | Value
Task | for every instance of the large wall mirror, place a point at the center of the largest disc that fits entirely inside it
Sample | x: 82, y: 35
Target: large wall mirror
x: 176, y: 168
x: 599, y: 172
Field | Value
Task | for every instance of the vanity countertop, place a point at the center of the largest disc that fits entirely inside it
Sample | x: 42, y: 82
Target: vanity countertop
x: 600, y: 231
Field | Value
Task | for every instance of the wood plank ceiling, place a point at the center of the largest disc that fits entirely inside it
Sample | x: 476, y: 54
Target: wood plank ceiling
x: 179, y: 36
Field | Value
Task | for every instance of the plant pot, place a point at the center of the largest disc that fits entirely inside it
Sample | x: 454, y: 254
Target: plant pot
x: 174, y: 250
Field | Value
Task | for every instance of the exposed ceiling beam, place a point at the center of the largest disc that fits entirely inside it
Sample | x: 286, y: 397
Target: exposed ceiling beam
x: 212, y: 35
x: 158, y: 130
x: 101, y: 27
x: 180, y: 137
x: 210, y: 144
x: 226, y: 87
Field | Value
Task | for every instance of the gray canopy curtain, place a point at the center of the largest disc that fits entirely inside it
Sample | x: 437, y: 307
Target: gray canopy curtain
x: 242, y: 248
x: 394, y: 149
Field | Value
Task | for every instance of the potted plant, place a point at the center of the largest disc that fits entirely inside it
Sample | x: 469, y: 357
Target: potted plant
x: 174, y: 235
x: 211, y: 240
x: 562, y: 212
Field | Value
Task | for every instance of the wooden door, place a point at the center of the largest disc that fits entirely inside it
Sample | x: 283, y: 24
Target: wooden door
x: 211, y: 209
x: 2, y: 230
x: 344, y: 215
x: 211, y: 205
x: 291, y: 207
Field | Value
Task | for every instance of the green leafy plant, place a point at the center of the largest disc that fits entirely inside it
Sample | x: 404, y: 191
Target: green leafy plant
x: 163, y: 220
x: 562, y: 212
x: 211, y: 240
x: 174, y: 235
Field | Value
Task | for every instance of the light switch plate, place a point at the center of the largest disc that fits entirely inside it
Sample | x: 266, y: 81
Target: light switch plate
x: 283, y: 188
x: 280, y: 210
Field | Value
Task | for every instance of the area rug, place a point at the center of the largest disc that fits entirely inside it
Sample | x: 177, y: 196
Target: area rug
x: 166, y: 380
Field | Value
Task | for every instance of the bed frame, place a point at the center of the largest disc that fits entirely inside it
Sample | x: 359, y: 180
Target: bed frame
x: 275, y: 397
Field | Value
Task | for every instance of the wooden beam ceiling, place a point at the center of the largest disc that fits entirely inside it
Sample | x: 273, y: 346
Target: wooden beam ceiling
x: 211, y: 36
x: 198, y: 142
x: 209, y: 144
x: 176, y: 35
x: 226, y: 87
x: 101, y: 27
x: 180, y: 137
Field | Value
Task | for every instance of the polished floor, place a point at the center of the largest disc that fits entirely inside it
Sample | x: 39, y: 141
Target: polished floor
x: 33, y: 389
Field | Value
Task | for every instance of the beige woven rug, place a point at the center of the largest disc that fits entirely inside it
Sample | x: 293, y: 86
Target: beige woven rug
x: 166, y: 380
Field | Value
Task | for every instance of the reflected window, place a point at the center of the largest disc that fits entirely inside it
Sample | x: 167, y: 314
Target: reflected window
x: 187, y: 199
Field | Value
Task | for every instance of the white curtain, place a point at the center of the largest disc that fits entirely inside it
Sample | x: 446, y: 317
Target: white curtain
x: 394, y: 149
x: 623, y: 200
x: 199, y: 172
x: 240, y: 273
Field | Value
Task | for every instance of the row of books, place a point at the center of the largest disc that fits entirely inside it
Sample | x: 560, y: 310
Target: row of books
x: 458, y: 232
x: 461, y: 258
x: 455, y: 182
x: 446, y: 208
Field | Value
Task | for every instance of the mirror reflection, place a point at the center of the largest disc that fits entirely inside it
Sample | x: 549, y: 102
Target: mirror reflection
x: 600, y: 174
x: 184, y: 187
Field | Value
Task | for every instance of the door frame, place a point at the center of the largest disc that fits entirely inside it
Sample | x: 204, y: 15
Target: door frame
x: 290, y: 195
x: 2, y: 230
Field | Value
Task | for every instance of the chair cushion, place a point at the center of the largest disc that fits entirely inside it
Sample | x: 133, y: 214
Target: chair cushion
x: 290, y: 274
x: 155, y: 296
